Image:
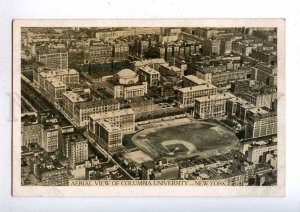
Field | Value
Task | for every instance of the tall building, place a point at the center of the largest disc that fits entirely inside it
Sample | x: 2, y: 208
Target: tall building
x: 54, y: 90
x: 69, y: 99
x: 98, y: 54
x: 225, y: 73
x: 258, y: 153
x: 212, y: 47
x: 226, y: 46
x: 53, y: 58
x: 266, y: 56
x: 83, y: 110
x: 206, y: 33
x: 212, y: 106
x: 52, y: 176
x: 66, y: 76
x: 167, y: 70
x: 261, y: 124
x: 120, y: 52
x: 234, y: 105
x: 150, y: 75
x: 49, y: 137
x: 265, y: 74
x: 260, y: 98
x: 186, y: 96
x: 109, y: 137
x: 76, y: 148
x: 30, y: 130
x: 124, y: 118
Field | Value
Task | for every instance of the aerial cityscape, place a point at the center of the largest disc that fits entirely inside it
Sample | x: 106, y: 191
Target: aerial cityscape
x: 149, y: 103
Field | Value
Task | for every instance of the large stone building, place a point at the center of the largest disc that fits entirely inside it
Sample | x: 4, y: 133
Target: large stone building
x: 53, y: 58
x: 224, y: 74
x: 261, y: 124
x: 109, y: 137
x: 150, y: 75
x: 98, y: 54
x: 126, y: 84
x: 69, y: 99
x: 167, y: 70
x: 186, y: 96
x: 54, y: 90
x: 212, y: 106
x: 120, y: 52
x: 83, y: 110
x: 260, y: 98
x: 50, y: 137
x: 30, y: 130
x: 192, y: 80
x: 53, y: 176
x: 265, y: 74
x: 160, y: 170
x: 211, y: 47
x: 66, y: 76
x: 258, y: 153
x: 124, y: 118
x: 76, y: 148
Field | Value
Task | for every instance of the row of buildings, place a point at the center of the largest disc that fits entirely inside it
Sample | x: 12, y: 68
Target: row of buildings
x: 231, y: 169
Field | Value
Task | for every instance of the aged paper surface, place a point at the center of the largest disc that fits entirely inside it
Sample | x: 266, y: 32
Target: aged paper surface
x: 149, y: 107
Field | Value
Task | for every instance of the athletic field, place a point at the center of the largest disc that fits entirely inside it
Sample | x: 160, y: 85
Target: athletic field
x: 181, y: 140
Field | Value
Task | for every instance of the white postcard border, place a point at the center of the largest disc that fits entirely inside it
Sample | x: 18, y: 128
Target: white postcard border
x: 109, y: 191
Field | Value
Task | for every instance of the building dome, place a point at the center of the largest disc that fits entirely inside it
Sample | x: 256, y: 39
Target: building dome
x: 127, y: 76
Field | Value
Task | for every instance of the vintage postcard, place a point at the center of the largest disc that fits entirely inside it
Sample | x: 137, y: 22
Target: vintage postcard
x: 148, y: 107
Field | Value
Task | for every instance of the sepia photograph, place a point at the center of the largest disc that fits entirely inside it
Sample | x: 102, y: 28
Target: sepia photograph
x: 166, y: 106
x: 149, y: 106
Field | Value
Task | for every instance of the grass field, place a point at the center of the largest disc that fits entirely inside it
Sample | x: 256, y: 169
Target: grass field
x: 181, y: 140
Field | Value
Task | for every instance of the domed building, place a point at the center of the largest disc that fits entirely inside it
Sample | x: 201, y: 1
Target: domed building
x: 127, y: 77
x: 125, y: 84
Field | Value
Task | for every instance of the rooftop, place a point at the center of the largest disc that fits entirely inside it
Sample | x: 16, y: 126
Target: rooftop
x: 51, y: 51
x: 97, y: 103
x: 74, y: 137
x: 97, y: 116
x: 195, y: 79
x: 148, y: 62
x: 56, y: 83
x: 172, y: 68
x: 148, y: 70
x: 58, y: 72
x: 218, y: 96
x: 108, y: 127
x: 238, y: 100
x: 260, y: 116
x: 73, y: 97
x: 197, y: 88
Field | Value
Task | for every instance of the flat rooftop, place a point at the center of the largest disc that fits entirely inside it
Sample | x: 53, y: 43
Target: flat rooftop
x: 97, y: 103
x: 148, y: 70
x: 73, y: 97
x: 218, y: 96
x: 122, y: 112
x: 58, y: 72
x: 195, y: 79
x: 197, y: 88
